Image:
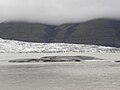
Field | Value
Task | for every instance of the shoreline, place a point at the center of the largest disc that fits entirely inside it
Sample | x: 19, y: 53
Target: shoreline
x: 9, y: 56
x: 5, y: 57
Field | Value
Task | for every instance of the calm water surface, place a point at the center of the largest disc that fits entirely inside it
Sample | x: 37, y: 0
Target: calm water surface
x: 59, y: 76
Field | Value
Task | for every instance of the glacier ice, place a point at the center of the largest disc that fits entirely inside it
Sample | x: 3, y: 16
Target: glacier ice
x: 13, y: 46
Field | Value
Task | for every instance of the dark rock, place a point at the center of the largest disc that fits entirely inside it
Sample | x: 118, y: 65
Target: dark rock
x: 57, y: 59
x: 24, y: 60
x: 117, y: 61
x: 67, y: 58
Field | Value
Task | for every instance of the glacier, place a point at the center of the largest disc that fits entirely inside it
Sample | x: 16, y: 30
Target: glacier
x: 13, y: 46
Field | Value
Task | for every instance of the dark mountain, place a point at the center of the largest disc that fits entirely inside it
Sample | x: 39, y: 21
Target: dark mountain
x: 100, y: 32
x: 31, y: 32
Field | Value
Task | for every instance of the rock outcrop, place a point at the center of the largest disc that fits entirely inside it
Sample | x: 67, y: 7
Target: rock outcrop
x: 23, y: 60
x: 56, y: 59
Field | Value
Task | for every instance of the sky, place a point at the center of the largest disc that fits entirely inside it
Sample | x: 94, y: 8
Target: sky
x: 58, y: 11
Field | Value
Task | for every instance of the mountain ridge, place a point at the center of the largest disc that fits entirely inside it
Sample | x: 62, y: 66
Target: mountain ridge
x: 104, y: 32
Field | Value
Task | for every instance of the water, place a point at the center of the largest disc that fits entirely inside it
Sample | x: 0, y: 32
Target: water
x: 10, y: 56
x: 59, y: 76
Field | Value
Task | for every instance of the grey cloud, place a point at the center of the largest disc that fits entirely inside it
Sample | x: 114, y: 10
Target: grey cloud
x: 58, y: 11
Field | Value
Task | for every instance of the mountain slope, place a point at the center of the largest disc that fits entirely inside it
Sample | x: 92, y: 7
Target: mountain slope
x: 104, y: 32
x: 33, y: 32
x: 101, y: 32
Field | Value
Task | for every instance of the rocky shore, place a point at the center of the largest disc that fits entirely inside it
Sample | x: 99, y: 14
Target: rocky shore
x: 56, y: 59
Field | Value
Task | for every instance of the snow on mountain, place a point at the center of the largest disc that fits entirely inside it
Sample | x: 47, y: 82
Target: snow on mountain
x: 12, y: 46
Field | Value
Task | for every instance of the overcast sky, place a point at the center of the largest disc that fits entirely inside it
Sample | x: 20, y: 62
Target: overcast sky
x: 58, y: 11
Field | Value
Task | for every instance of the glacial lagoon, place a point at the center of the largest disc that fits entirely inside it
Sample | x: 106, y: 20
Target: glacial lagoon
x: 89, y: 75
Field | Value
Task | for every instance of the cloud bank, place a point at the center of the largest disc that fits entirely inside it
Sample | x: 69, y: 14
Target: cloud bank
x: 58, y: 11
